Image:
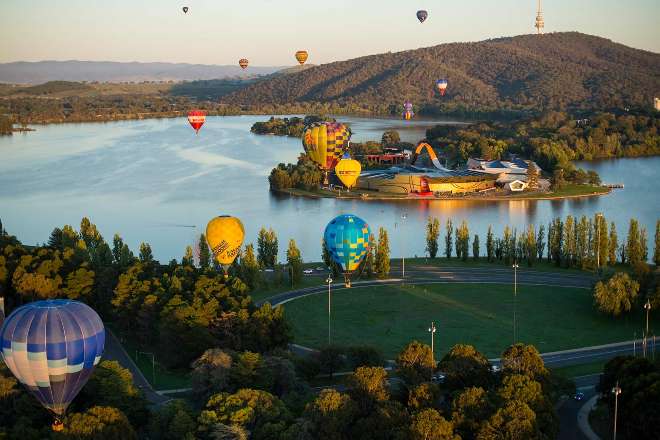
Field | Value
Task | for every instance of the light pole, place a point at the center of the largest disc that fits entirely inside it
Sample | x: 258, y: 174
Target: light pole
x: 153, y: 364
x: 403, y: 252
x: 329, y: 281
x: 515, y: 300
x: 598, y: 217
x: 432, y: 330
x: 616, y: 391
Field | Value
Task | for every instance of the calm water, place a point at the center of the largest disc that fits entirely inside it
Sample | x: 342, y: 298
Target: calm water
x: 155, y: 181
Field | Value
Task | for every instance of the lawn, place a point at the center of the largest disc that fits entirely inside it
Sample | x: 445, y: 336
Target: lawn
x: 479, y: 314
x: 581, y: 370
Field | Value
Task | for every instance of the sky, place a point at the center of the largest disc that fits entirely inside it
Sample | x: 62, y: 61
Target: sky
x: 268, y: 32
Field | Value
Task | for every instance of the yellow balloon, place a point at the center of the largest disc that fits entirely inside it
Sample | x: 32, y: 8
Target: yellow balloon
x: 325, y: 142
x: 348, y: 170
x: 301, y: 56
x: 225, y: 235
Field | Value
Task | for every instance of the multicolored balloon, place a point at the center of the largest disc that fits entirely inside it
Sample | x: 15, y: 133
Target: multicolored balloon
x: 347, y: 240
x: 185, y: 9
x: 325, y: 143
x: 422, y: 15
x: 225, y: 235
x: 51, y: 347
x: 196, y: 118
x: 301, y: 56
x: 348, y: 170
x: 243, y: 62
x: 408, y: 112
x: 441, y: 85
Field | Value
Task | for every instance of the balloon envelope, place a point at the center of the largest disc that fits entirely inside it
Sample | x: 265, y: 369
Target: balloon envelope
x: 301, y: 56
x: 196, y: 118
x: 185, y: 9
x: 441, y: 85
x: 243, y: 62
x: 422, y: 15
x: 325, y: 143
x: 52, y: 347
x: 347, y: 240
x: 225, y: 235
x: 348, y: 171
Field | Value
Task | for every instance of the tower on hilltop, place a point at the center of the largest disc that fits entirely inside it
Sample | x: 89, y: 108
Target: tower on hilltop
x: 539, y: 20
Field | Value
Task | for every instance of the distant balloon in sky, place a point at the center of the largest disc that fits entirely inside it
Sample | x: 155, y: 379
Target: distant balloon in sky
x: 225, y: 235
x: 348, y: 170
x: 441, y: 85
x: 243, y: 62
x: 196, y: 118
x: 347, y: 240
x: 51, y: 347
x: 185, y: 9
x: 422, y: 15
x: 301, y: 56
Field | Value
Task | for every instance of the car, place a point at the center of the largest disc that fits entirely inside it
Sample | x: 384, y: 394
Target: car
x: 579, y: 396
x: 438, y: 378
x: 495, y: 368
x: 320, y: 269
x: 308, y: 271
x: 269, y: 270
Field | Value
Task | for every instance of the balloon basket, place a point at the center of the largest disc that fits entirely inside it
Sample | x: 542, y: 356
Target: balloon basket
x: 347, y: 281
x: 57, y: 425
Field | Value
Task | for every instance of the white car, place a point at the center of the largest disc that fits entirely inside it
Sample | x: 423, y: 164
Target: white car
x: 308, y: 271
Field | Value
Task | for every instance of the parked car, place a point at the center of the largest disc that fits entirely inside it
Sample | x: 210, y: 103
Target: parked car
x: 438, y: 378
x: 579, y: 396
x: 320, y: 269
x: 308, y: 271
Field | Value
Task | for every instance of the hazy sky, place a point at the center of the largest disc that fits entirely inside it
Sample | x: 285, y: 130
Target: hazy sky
x: 268, y: 32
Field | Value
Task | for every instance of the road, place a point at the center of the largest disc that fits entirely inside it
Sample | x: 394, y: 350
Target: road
x: 568, y: 411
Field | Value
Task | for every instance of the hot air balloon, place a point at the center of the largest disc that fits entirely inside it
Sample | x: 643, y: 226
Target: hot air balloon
x: 441, y: 85
x: 51, y: 347
x: 408, y: 112
x: 347, y: 240
x: 185, y: 9
x: 348, y: 170
x: 225, y: 235
x: 422, y: 15
x: 325, y: 142
x: 301, y: 56
x: 243, y: 62
x: 196, y: 119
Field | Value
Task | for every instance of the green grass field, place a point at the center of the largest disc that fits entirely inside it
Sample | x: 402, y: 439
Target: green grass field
x: 479, y: 314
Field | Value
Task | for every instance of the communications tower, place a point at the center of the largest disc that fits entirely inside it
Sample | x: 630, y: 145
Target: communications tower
x: 539, y: 20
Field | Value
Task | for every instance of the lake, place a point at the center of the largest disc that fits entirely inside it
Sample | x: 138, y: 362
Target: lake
x: 156, y: 181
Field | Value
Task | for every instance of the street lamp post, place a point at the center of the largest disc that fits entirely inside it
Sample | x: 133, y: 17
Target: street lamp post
x: 329, y: 281
x: 616, y: 391
x: 515, y: 301
x: 403, y: 252
x: 647, y: 307
x: 598, y: 216
x: 432, y: 330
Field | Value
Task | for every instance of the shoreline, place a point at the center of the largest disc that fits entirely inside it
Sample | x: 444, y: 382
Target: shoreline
x: 532, y: 196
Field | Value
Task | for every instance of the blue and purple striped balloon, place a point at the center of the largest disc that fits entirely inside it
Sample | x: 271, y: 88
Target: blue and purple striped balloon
x: 52, y: 347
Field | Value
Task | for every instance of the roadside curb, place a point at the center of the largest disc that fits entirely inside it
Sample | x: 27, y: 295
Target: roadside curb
x: 583, y: 419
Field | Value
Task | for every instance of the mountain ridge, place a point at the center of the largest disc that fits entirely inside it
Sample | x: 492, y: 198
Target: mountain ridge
x: 557, y: 70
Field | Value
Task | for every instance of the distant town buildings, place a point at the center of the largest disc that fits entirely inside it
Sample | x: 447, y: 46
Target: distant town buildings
x: 514, y: 166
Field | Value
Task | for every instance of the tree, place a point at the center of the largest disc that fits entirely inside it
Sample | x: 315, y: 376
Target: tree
x: 448, y: 238
x: 558, y: 180
x: 188, y: 258
x: 529, y: 245
x: 173, y: 421
x: 521, y: 388
x: 424, y: 395
x: 146, y: 256
x: 428, y: 424
x: 468, y: 410
x: 204, y: 252
x: 331, y: 359
x: 210, y: 373
x: 634, y: 249
x: 415, y: 363
x: 532, y: 176
x: 514, y: 421
x: 490, y: 248
x: 523, y: 359
x: 656, y: 251
x: 99, y: 422
x: 295, y: 263
x: 259, y: 412
x: 334, y: 267
x: 475, y: 247
x: 462, y: 241
x: 432, y: 234
x: 569, y: 248
x: 383, y: 254
x: 465, y: 367
x: 390, y: 138
x: 616, y: 295
x: 267, y: 248
x: 249, y: 268
x: 601, y: 240
x: 364, y: 356
x: 540, y: 242
x: 330, y: 415
x: 366, y: 386
x: 613, y: 245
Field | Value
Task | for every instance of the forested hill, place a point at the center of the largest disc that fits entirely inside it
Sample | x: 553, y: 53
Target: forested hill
x: 552, y: 71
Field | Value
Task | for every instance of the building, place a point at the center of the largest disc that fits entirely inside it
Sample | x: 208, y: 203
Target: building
x: 421, y: 181
x: 515, y: 166
x: 540, y: 23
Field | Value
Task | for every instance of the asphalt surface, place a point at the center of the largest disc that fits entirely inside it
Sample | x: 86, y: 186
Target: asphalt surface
x: 568, y: 411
